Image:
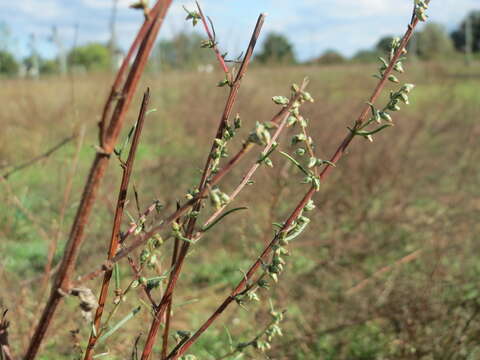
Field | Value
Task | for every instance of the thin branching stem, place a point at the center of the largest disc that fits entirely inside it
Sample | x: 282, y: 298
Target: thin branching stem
x: 176, y: 353
x: 246, y: 148
x: 213, y: 41
x: 36, y: 159
x: 373, y: 98
x: 179, y: 351
x: 174, y: 275
x: 108, y: 137
x: 117, y: 221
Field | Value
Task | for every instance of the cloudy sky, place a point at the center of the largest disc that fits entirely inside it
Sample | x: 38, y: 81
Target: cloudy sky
x: 312, y: 25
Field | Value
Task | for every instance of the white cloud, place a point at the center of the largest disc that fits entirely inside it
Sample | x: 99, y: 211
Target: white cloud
x: 44, y: 10
x: 105, y: 4
x: 313, y: 25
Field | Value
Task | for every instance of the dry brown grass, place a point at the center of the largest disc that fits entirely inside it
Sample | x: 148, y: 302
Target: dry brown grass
x: 417, y: 188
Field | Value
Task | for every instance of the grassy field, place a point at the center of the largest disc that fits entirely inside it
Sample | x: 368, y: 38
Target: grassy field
x: 388, y: 269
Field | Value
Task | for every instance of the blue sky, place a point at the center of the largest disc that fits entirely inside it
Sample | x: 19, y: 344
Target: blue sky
x: 313, y: 25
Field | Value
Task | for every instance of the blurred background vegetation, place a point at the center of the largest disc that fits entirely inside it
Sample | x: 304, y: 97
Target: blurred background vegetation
x: 182, y: 52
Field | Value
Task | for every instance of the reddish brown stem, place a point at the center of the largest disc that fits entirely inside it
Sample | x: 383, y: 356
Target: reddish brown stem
x: 202, y: 186
x: 117, y: 221
x: 137, y: 271
x: 247, y: 177
x: 246, y: 148
x: 115, y: 91
x: 168, y: 315
x: 96, y: 174
x: 373, y: 98
x: 212, y: 39
x: 245, y: 280
x: 335, y: 158
x: 5, y: 351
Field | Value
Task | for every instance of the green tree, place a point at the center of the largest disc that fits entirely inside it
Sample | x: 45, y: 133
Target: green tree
x: 8, y: 64
x: 432, y: 42
x: 459, y: 35
x: 49, y: 67
x: 366, y: 56
x: 183, y: 51
x: 93, y: 56
x: 384, y: 44
x: 277, y: 49
x: 330, y: 57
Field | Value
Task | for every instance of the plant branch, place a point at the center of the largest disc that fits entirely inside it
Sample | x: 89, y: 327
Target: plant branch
x: 373, y: 98
x: 245, y: 280
x: 117, y: 221
x: 174, y: 275
x: 142, y: 239
x: 36, y: 159
x: 5, y: 352
x: 108, y: 137
x: 336, y: 157
x: 213, y: 42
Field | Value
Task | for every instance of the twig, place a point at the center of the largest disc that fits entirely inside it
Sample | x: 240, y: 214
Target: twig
x: 66, y: 196
x: 247, y: 177
x: 5, y: 352
x: 108, y: 138
x: 39, y: 157
x: 168, y: 315
x: 404, y: 260
x: 335, y: 158
x: 373, y: 98
x: 246, y: 148
x: 202, y: 186
x: 117, y: 221
x: 244, y: 282
x: 213, y: 41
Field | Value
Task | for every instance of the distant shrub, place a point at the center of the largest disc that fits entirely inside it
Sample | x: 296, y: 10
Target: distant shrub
x: 331, y: 57
x: 433, y: 42
x: 366, y: 56
x: 183, y: 51
x: 8, y: 64
x: 384, y: 44
x: 93, y: 56
x: 277, y: 49
x: 459, y: 35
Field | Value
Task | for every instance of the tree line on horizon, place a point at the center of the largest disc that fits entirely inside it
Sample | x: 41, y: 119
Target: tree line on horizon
x: 184, y: 52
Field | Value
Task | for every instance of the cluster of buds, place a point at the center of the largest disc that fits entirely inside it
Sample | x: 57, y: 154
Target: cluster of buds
x: 220, y: 149
x: 398, y: 66
x: 261, y: 135
x: 218, y: 199
x: 192, y: 15
x: 177, y: 232
x: 421, y: 7
x: 149, y: 254
x: 310, y: 176
x: 295, y: 116
x: 263, y: 341
x: 189, y: 357
x: 396, y: 97
x: 150, y: 283
x: 297, y: 227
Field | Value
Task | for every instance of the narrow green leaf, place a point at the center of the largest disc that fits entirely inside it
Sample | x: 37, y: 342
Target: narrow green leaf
x: 119, y: 325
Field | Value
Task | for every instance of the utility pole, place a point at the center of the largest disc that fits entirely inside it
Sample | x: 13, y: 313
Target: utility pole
x: 468, y: 39
x: 113, y: 36
x: 34, y: 69
x: 62, y: 56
